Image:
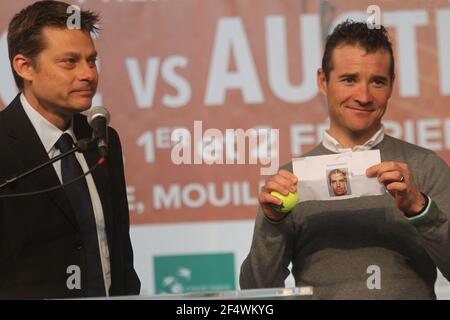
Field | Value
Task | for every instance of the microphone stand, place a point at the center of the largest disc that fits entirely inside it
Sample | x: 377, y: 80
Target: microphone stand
x: 81, y: 145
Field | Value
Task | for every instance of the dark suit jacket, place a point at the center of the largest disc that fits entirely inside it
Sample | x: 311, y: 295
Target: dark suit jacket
x: 39, y: 238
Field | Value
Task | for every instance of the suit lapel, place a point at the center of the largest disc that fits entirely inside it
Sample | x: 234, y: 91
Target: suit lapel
x: 27, y: 145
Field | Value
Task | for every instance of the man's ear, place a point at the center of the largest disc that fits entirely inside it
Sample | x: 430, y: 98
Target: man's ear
x: 322, y: 82
x: 24, y: 67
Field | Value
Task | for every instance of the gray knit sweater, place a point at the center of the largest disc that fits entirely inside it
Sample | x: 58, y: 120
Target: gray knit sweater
x: 331, y: 244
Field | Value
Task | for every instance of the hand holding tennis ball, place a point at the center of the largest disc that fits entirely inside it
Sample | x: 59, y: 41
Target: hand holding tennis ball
x: 289, y: 201
x: 279, y: 195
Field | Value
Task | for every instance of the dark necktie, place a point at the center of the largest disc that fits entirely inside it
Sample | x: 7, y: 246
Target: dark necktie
x: 80, y: 200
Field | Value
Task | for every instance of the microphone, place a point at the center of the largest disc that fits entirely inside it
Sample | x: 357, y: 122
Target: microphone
x: 98, y: 119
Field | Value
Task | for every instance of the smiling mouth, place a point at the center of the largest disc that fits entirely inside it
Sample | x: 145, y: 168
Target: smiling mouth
x: 360, y: 109
x: 84, y: 92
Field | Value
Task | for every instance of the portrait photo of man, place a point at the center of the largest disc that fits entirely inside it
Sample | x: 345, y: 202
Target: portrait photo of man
x: 338, y: 182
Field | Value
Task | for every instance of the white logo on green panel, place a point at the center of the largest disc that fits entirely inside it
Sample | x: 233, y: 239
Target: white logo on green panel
x: 194, y: 273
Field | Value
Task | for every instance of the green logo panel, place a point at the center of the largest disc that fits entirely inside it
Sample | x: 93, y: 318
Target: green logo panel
x: 194, y: 273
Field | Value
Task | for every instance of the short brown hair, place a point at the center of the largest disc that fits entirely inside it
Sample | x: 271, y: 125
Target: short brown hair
x: 25, y: 29
x: 357, y: 33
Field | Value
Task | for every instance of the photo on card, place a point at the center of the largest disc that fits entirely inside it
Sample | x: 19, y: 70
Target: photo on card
x: 337, y: 176
x: 338, y: 182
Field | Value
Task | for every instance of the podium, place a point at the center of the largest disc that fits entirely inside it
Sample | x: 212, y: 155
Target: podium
x: 297, y: 293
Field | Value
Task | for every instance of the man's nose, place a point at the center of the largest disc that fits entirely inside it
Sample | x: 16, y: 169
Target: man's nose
x: 88, y: 72
x: 363, y: 95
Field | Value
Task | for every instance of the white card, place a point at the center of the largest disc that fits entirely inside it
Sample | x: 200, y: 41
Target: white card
x: 337, y: 176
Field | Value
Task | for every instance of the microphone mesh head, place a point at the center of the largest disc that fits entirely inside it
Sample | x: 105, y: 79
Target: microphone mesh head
x: 98, y: 112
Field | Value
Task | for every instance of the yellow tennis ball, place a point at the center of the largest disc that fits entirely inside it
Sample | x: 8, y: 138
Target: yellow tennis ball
x: 289, y: 201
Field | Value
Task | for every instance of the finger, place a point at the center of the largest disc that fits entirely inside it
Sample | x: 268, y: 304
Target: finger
x: 383, y: 167
x: 390, y: 166
x: 287, y: 183
x: 406, y: 172
x: 403, y: 166
x: 275, y: 186
x: 288, y: 175
x: 267, y: 198
x: 373, y: 170
x: 391, y: 176
x: 399, y: 187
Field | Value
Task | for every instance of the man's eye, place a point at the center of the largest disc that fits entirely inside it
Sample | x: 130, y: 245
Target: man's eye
x: 92, y: 62
x: 69, y: 61
x: 378, y: 83
x: 348, y: 80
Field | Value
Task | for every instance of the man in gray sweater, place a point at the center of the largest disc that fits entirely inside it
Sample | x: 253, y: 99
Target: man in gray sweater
x: 371, y: 247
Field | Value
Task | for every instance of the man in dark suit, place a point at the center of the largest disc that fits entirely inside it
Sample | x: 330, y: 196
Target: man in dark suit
x: 73, y: 241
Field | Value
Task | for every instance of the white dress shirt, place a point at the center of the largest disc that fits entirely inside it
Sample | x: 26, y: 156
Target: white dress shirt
x: 49, y: 135
x: 333, y: 145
